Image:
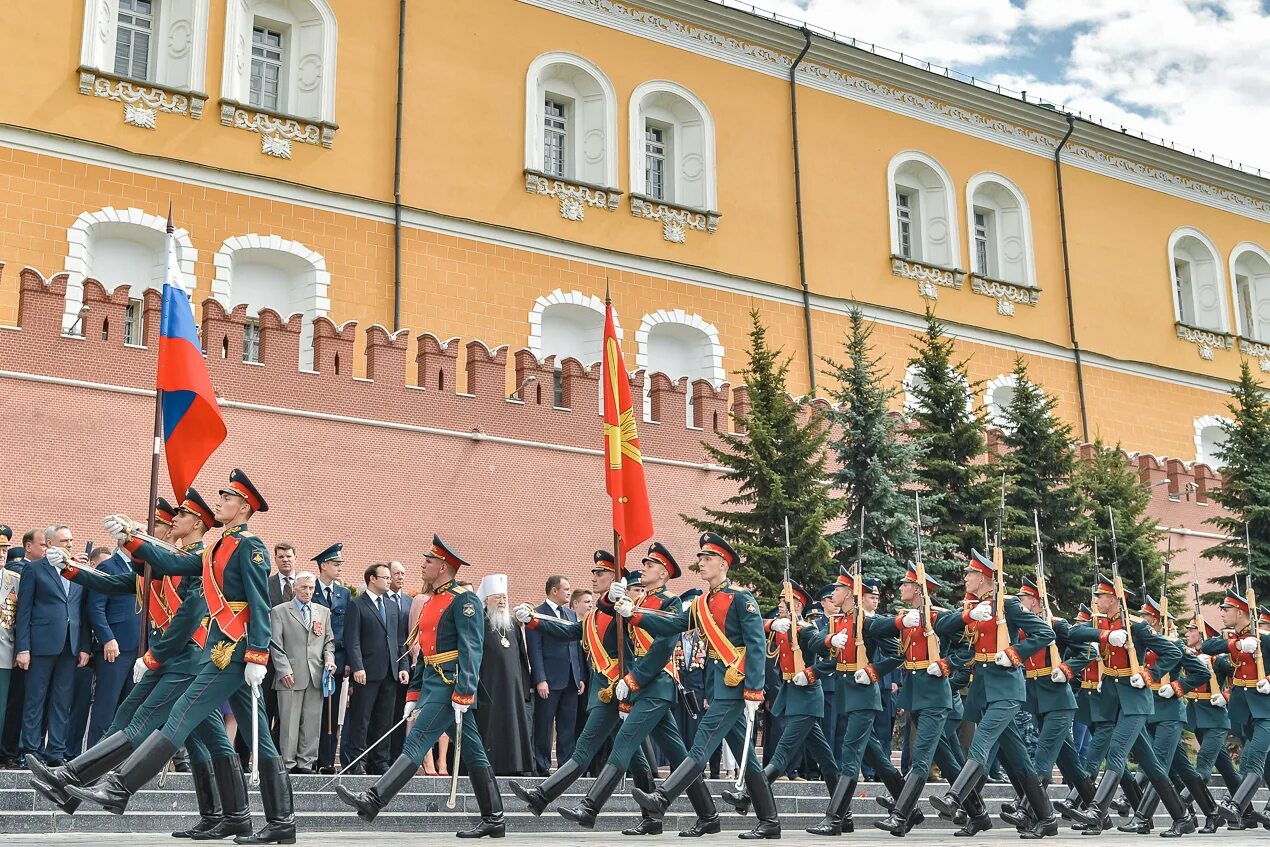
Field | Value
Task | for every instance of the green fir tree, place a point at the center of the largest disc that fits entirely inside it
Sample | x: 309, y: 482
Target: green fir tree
x: 778, y: 468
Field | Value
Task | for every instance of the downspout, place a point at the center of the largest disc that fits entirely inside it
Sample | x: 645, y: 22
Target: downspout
x: 396, y: 173
x: 1067, y: 280
x: 798, y: 208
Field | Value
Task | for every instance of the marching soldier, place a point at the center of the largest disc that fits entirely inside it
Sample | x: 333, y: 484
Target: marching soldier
x: 645, y: 694
x: 729, y: 620
x: 164, y: 516
x: 1249, y: 703
x: 235, y: 572
x: 997, y: 692
x: 1207, y: 718
x: 441, y: 695
x: 829, y: 680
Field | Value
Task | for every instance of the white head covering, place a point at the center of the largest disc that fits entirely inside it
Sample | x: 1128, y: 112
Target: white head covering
x: 495, y: 583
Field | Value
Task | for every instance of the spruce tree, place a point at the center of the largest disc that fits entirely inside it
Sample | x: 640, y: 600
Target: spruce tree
x: 874, y: 464
x: 1245, y: 489
x: 1038, y: 467
x: 778, y: 467
x: 959, y: 492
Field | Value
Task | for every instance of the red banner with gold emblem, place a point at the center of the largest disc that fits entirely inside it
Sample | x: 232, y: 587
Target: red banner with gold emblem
x: 624, y: 464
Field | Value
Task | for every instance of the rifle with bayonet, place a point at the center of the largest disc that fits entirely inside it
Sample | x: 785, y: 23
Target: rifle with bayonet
x: 1043, y: 591
x: 861, y: 652
x: 795, y: 619
x: 1253, y: 612
x: 1198, y: 619
x: 998, y: 563
x: 1094, y: 614
x: 1134, y: 667
x: 919, y: 570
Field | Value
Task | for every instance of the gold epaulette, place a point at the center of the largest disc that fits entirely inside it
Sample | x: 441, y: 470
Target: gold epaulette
x: 246, y: 533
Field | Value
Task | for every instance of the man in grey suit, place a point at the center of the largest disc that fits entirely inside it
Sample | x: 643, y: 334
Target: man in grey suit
x: 302, y: 648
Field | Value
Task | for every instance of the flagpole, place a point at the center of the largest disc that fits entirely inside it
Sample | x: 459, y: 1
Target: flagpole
x: 621, y: 621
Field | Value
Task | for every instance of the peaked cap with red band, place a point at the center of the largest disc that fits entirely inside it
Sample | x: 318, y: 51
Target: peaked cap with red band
x: 981, y: 563
x: 799, y: 594
x: 163, y: 511
x: 1150, y: 605
x: 1085, y: 614
x: 1029, y: 589
x: 241, y: 486
x: 1210, y: 631
x: 845, y: 578
x: 1104, y: 585
x: 440, y: 550
x: 197, y: 506
x: 1264, y: 617
x: 1235, y: 600
x: 603, y: 560
x: 931, y: 584
x: 658, y: 553
x: 712, y: 543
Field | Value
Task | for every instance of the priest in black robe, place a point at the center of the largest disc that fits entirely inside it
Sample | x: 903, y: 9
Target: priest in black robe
x: 501, y: 712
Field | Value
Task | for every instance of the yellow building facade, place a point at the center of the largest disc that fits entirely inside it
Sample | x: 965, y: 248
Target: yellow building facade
x: 543, y: 149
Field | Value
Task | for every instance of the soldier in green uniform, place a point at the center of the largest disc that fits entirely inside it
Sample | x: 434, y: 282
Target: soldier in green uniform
x: 729, y: 621
x: 598, y: 633
x: 997, y: 692
x: 235, y: 573
x: 1207, y: 718
x: 441, y: 695
x: 644, y: 695
x: 176, y: 612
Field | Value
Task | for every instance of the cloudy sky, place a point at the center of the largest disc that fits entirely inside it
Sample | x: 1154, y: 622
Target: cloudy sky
x: 1194, y: 72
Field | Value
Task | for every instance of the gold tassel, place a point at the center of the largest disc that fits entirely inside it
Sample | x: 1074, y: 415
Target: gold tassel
x: 223, y: 654
x: 605, y: 694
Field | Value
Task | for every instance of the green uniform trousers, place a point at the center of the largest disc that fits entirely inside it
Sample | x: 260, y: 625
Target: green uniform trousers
x: 860, y: 743
x: 949, y: 751
x: 996, y: 722
x: 928, y: 741
x: 436, y: 718
x: 1054, y: 734
x: 1098, y: 747
x: 648, y: 718
x: 202, y: 699
x: 602, y: 720
x: 1256, y: 746
x: 148, y: 705
x: 803, y: 734
x: 724, y: 721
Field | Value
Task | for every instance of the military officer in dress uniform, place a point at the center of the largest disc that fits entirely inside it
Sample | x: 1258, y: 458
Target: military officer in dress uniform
x: 644, y: 695
x: 235, y: 572
x: 997, y: 692
x: 729, y: 621
x: 834, y: 721
x: 442, y: 693
x: 1207, y: 718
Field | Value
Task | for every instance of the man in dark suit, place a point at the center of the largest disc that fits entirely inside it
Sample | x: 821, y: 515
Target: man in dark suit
x: 50, y: 643
x: 32, y: 548
x: 334, y: 596
x: 282, y: 584
x: 373, y: 641
x: 116, y: 624
x: 556, y: 667
x: 397, y: 591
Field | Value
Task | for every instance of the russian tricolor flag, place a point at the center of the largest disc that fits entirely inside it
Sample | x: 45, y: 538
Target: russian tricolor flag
x: 192, y: 425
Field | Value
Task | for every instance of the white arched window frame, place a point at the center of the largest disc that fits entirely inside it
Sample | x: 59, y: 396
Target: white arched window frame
x: 920, y: 181
x: 1209, y: 438
x: 914, y: 377
x: 589, y: 131
x: 999, y: 225
x: 310, y: 39
x: 1196, y: 279
x: 678, y: 344
x: 997, y: 396
x: 147, y: 233
x: 301, y: 274
x: 688, y: 145
x: 1250, y: 287
x: 176, y: 49
x: 586, y: 312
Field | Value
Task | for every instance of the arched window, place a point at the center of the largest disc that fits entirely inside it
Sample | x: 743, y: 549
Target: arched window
x: 280, y: 57
x: 570, y: 120
x: 268, y: 272
x: 923, y: 215
x: 1000, y: 230
x: 1198, y: 290
x: 1250, y: 275
x: 915, y: 379
x: 162, y: 42
x: 568, y: 324
x: 122, y: 247
x: 678, y: 344
x: 1210, y: 438
x: 672, y: 146
x: 997, y: 397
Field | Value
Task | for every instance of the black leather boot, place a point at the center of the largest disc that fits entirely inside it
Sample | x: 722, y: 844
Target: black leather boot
x: 370, y: 803
x: 897, y: 822
x: 768, y: 824
x: 84, y: 769
x: 490, y: 803
x: 1016, y: 814
x: 276, y: 798
x: 707, y: 822
x: 541, y: 795
x: 1143, y: 820
x: 647, y: 825
x: 975, y: 812
x: 1203, y: 800
x: 1183, y: 818
x: 602, y: 789
x: 209, y: 810
x: 839, y: 801
x: 235, y: 813
x: 951, y: 802
x: 1233, y: 808
x: 848, y: 821
x: 1134, y: 788
x: 1043, y: 821
x: 1081, y: 795
x: 117, y: 789
x: 657, y: 802
x: 740, y: 799
x: 1094, y: 819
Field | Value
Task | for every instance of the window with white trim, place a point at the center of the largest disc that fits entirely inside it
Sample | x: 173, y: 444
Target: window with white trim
x: 983, y: 248
x: 1198, y: 295
x: 555, y: 138
x: 678, y: 350
x: 160, y: 42
x: 674, y: 131
x: 1251, y: 270
x: 1211, y: 440
x: 267, y: 57
x: 134, y: 323
x: 133, y: 38
x: 923, y: 214
x: 251, y: 340
x: 280, y: 55
x: 571, y: 120
x: 269, y: 278
x: 1001, y: 230
x: 655, y: 144
x: 904, y: 223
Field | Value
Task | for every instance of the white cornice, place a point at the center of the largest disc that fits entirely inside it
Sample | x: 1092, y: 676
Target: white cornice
x: 768, y: 47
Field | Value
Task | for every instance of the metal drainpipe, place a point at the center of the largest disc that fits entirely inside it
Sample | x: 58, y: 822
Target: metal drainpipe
x: 798, y: 208
x: 396, y: 173
x: 1067, y: 279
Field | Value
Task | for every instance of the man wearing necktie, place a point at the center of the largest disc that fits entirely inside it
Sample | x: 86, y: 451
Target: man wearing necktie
x: 376, y: 654
x: 302, y: 649
x: 397, y: 591
x: 334, y: 596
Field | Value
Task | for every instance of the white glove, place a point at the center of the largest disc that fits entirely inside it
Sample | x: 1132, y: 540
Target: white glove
x: 1206, y: 659
x: 617, y: 590
x: 935, y: 669
x: 460, y: 709
x: 801, y: 679
x: 1167, y: 692
x: 411, y: 707
x: 254, y: 674
x: 622, y: 690
x: 911, y: 618
x: 138, y: 670
x: 839, y: 640
x: 751, y: 709
x: 624, y: 607
x: 1099, y: 688
x: 1263, y: 686
x: 862, y: 677
x: 1058, y: 676
x: 1138, y: 681
x: 523, y: 613
x: 1245, y: 645
x: 622, y: 715
x: 56, y: 556
x: 1218, y: 699
x: 982, y: 612
x: 780, y: 625
x: 1003, y: 659
x: 117, y: 526
x: 1118, y: 638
